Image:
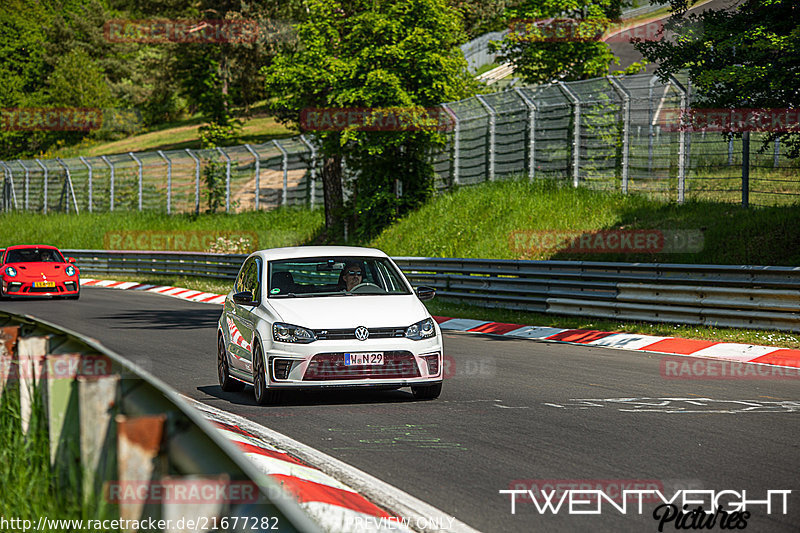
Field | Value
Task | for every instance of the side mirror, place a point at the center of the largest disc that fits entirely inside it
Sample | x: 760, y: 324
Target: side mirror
x: 70, y: 260
x: 425, y: 293
x: 244, y: 298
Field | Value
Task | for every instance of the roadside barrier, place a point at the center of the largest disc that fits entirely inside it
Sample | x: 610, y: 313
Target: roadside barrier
x: 136, y: 450
x: 759, y: 297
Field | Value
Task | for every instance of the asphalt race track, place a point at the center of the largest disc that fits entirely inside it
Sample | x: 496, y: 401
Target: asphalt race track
x: 513, y: 411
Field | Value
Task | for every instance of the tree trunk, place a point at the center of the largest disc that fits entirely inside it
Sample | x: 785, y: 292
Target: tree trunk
x: 334, y: 199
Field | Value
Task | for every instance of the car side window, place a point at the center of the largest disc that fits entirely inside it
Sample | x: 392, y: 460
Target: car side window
x: 239, y: 285
x: 252, y: 279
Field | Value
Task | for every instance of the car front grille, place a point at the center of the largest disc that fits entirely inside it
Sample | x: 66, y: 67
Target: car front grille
x: 330, y: 366
x: 45, y: 289
x: 348, y: 334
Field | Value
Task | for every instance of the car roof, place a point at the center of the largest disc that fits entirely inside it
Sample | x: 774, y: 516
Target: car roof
x: 298, y: 252
x: 23, y: 246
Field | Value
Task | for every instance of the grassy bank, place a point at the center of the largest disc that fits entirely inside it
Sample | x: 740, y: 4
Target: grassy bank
x: 155, y: 231
x: 520, y: 220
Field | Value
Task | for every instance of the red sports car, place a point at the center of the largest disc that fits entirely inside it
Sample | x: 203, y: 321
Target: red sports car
x: 38, y: 270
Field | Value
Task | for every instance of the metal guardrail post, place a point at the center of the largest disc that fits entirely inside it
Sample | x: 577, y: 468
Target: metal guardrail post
x: 169, y: 180
x: 576, y: 138
x: 69, y: 187
x: 89, y: 167
x: 10, y: 178
x: 257, y: 165
x: 626, y: 128
x: 681, y: 140
x: 196, y: 181
x: 492, y: 131
x: 531, y: 132
x: 227, y: 179
x: 312, y: 168
x: 44, y: 185
x: 285, y: 168
x: 456, y: 142
x: 27, y: 182
x: 138, y: 162
x: 110, y: 183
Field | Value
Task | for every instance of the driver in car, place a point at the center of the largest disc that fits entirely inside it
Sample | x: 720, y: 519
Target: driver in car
x: 350, y: 277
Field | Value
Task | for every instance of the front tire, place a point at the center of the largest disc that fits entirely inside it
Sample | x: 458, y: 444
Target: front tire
x: 263, y: 394
x: 226, y: 382
x: 427, y: 392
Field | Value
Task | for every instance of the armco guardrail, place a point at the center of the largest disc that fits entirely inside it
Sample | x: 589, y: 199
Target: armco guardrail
x: 137, y: 450
x: 762, y: 297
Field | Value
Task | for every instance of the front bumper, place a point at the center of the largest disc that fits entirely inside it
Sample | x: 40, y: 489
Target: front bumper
x: 17, y: 288
x: 321, y: 364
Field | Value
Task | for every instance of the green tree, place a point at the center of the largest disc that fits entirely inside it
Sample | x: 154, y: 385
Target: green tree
x: 559, y: 39
x: 371, y: 54
x: 745, y: 57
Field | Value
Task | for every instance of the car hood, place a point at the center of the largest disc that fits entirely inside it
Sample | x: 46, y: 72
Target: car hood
x: 35, y: 270
x: 341, y: 312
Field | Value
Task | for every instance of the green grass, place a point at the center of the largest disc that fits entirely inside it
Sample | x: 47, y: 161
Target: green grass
x: 494, y: 220
x: 271, y: 229
x: 175, y: 136
x: 30, y: 490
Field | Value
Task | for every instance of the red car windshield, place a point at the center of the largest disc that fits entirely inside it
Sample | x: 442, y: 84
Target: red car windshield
x: 34, y: 255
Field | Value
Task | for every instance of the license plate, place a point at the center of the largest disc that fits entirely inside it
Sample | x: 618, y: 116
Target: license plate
x: 372, y: 358
x: 44, y: 284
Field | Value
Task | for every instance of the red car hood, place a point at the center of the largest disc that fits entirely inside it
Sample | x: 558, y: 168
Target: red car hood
x: 35, y: 270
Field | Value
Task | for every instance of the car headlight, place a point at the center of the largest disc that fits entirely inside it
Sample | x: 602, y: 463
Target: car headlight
x: 288, y: 333
x: 421, y: 330
x: 11, y: 272
x: 70, y: 270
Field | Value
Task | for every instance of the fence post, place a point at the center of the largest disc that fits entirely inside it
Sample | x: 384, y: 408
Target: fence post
x: 681, y: 141
x: 44, y: 168
x: 258, y: 171
x: 88, y: 166
x: 27, y: 181
x: 312, y: 167
x: 69, y: 188
x: 285, y: 168
x: 746, y: 169
x: 196, y: 181
x: 777, y: 155
x: 626, y: 129
x: 531, y: 132
x: 492, y: 124
x: 650, y: 124
x: 730, y: 152
x: 227, y: 179
x: 169, y: 180
x: 10, y: 175
x: 576, y: 137
x: 456, y: 141
x: 110, y: 183
x: 138, y: 162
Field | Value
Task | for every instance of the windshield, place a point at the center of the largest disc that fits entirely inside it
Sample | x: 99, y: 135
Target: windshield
x: 34, y: 255
x: 334, y: 276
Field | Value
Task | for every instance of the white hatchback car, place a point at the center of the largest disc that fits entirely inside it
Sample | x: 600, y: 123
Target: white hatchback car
x: 327, y: 316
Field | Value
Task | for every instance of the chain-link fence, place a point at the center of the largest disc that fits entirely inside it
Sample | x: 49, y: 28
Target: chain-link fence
x: 605, y: 133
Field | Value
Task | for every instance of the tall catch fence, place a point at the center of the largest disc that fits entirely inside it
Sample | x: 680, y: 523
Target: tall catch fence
x: 612, y: 133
